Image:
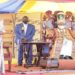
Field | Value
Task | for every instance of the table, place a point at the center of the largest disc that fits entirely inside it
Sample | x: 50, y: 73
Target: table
x: 38, y: 44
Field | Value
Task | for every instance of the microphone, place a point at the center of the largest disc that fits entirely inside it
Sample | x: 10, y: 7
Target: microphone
x: 23, y: 29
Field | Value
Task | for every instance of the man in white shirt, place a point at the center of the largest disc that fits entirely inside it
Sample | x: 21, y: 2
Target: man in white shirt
x: 24, y: 31
x: 25, y: 27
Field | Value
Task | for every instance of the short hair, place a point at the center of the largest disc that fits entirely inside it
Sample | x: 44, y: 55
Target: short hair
x: 25, y: 16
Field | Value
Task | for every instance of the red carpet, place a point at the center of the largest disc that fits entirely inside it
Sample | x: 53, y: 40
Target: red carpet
x: 63, y: 65
x: 50, y: 73
x: 67, y: 64
x: 7, y: 73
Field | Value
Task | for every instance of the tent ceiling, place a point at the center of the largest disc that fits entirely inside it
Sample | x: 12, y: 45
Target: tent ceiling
x: 44, y: 5
x: 58, y: 0
x: 10, y: 5
x: 18, y: 6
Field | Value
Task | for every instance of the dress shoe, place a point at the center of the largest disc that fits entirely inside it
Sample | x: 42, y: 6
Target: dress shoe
x: 28, y: 65
x: 68, y: 57
x: 19, y: 64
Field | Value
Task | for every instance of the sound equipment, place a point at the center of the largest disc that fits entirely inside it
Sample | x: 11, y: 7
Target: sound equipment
x: 49, y: 63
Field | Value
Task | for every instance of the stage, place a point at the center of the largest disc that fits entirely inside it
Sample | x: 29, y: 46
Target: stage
x: 66, y: 67
x: 49, y: 73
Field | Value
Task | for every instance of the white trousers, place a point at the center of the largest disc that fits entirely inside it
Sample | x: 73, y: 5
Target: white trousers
x: 66, y: 49
x: 2, y: 67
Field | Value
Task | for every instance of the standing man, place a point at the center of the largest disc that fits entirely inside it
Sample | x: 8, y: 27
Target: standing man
x: 2, y: 30
x: 24, y: 31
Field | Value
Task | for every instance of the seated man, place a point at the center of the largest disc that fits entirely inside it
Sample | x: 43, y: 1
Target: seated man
x: 24, y: 31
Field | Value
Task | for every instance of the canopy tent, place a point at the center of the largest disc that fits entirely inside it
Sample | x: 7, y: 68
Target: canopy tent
x: 44, y: 5
x: 10, y: 6
x: 22, y: 6
x: 58, y: 1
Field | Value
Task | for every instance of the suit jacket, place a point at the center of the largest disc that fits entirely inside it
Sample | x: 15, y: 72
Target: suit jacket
x: 20, y: 34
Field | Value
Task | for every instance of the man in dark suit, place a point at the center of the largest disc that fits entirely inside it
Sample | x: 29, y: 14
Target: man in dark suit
x: 24, y: 31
